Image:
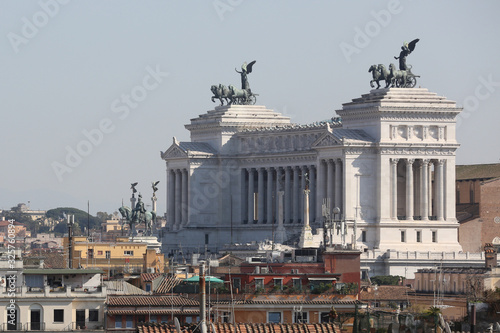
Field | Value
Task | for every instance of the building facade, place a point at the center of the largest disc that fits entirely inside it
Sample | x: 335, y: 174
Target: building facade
x: 124, y: 256
x: 388, y: 164
x: 478, y: 209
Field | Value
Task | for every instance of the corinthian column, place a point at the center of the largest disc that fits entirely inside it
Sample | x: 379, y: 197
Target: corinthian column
x: 171, y: 197
x: 184, y: 196
x: 251, y: 208
x: 287, y: 194
x: 394, y: 191
x: 296, y: 194
x: 338, y: 183
x: 424, y: 203
x: 330, y: 183
x: 320, y: 188
x: 269, y: 205
x: 312, y: 187
x: 260, y: 194
x: 409, y: 189
x: 178, y: 193
x: 440, y: 190
x: 279, y: 175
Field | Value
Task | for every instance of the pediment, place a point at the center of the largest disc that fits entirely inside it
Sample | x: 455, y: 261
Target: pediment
x: 326, y: 140
x: 174, y: 152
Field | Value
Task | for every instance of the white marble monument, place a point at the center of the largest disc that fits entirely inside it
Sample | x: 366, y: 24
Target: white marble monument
x: 388, y: 164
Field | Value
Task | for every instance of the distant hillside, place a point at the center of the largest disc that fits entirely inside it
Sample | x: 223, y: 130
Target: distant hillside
x: 82, y: 219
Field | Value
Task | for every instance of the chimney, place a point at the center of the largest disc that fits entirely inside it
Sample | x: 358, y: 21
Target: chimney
x: 490, y: 256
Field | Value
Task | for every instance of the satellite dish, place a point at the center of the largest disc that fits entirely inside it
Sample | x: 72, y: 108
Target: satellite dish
x: 177, y: 325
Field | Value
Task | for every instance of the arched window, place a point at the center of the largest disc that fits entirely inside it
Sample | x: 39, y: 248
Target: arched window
x: 36, y: 322
x: 12, y: 317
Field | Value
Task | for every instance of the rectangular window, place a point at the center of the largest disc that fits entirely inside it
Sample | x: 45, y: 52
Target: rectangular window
x: 93, y: 315
x: 118, y: 321
x: 153, y: 319
x: 297, y: 284
x: 130, y: 322
x: 363, y: 236
x: 128, y: 253
x: 300, y: 317
x: 164, y: 319
x: 403, y: 236
x: 434, y: 236
x: 206, y: 239
x: 148, y: 287
x: 259, y: 284
x: 236, y: 283
x: 58, y: 315
x: 91, y: 253
x: 278, y: 284
x: 419, y: 236
x: 274, y: 317
x: 99, y: 253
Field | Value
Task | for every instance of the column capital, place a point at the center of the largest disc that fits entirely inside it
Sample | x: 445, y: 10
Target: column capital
x: 394, y: 160
x: 426, y: 161
x: 410, y: 161
x: 441, y: 162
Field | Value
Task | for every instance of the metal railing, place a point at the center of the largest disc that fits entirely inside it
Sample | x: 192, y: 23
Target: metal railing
x: 35, y: 326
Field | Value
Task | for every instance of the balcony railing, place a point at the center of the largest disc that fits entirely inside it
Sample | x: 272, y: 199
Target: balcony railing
x: 48, y: 291
x: 36, y: 326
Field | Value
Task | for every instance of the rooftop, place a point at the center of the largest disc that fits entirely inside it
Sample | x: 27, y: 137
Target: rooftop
x: 242, y: 327
x: 477, y: 171
x: 60, y: 271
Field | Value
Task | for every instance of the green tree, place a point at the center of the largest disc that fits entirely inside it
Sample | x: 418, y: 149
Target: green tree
x: 103, y: 216
x: 82, y: 218
x: 386, y: 280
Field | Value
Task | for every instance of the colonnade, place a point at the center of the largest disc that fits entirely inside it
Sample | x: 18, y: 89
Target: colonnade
x: 260, y: 187
x: 177, y: 197
x: 414, y: 192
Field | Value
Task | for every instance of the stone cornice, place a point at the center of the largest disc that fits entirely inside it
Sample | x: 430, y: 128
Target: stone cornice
x: 418, y: 151
x: 283, y: 159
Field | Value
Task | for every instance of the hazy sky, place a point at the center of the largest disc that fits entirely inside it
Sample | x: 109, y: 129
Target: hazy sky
x: 92, y: 91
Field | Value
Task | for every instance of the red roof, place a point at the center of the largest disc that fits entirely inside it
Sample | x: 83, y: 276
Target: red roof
x: 148, y: 277
x: 153, y: 300
x: 243, y: 328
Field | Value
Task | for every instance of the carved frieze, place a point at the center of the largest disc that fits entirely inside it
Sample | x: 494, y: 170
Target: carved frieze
x: 174, y: 152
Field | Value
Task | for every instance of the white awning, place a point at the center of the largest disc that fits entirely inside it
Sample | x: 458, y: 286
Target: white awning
x: 322, y: 279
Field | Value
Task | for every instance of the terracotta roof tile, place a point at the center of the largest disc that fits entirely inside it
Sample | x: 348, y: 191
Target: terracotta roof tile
x: 166, y: 285
x: 148, y: 277
x: 153, y: 300
x: 242, y: 328
x: 477, y: 171
x: 385, y: 293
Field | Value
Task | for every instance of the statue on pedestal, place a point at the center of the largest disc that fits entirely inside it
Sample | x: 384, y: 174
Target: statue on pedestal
x: 402, y: 78
x: 233, y: 95
x: 137, y: 215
